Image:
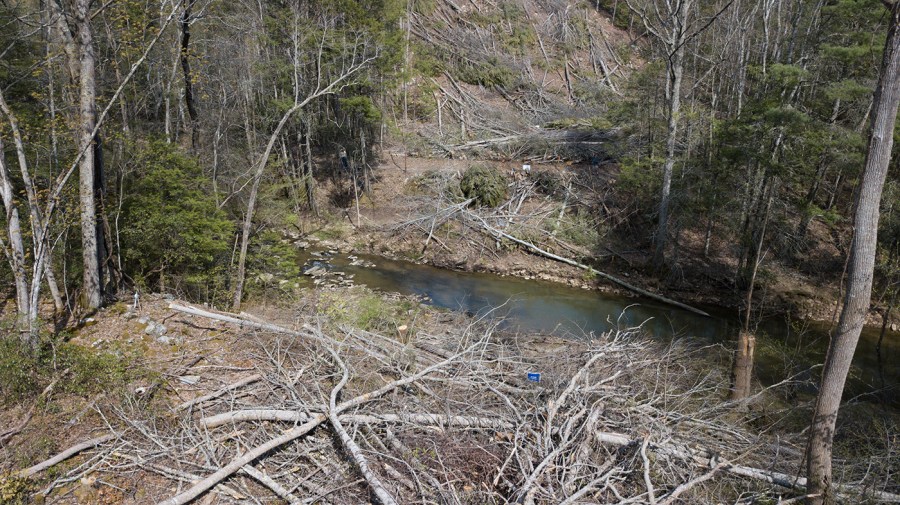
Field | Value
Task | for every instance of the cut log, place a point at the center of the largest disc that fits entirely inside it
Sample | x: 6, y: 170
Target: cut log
x: 246, y: 323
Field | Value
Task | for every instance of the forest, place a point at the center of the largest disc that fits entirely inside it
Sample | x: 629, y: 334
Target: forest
x: 449, y: 251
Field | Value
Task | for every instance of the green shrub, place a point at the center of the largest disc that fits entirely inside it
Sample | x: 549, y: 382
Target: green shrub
x: 15, y: 489
x: 580, y: 227
x: 492, y: 72
x: 365, y: 310
x: 170, y: 223
x: 486, y: 186
x: 639, y: 182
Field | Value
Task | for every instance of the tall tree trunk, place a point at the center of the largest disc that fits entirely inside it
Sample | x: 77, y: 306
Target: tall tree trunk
x: 91, y: 298
x: 673, y: 90
x: 309, y: 179
x: 41, y: 256
x: 861, y: 268
x: 189, y: 100
x: 15, y: 251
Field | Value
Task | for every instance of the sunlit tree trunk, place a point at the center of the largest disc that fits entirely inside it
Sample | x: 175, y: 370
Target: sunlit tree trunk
x: 14, y: 249
x: 74, y: 21
x: 860, y: 270
x: 91, y: 299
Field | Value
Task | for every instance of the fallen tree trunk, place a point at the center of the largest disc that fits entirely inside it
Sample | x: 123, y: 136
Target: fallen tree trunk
x: 497, y: 234
x: 246, y: 323
x: 352, y: 448
x: 300, y: 417
x: 245, y: 459
x: 68, y: 453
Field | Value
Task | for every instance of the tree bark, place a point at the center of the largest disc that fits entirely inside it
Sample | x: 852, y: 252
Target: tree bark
x: 15, y: 251
x: 742, y: 371
x: 675, y: 71
x: 308, y: 178
x: 189, y: 100
x: 91, y: 298
x: 41, y: 256
x: 861, y: 268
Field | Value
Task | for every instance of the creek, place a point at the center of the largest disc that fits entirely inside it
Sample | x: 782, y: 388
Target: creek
x: 785, y: 347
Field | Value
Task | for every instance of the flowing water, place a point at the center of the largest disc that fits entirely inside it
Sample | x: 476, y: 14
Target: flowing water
x: 784, y: 347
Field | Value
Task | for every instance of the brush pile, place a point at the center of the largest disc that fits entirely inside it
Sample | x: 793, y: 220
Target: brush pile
x: 312, y: 415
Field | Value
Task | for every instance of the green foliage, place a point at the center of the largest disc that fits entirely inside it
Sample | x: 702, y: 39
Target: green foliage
x: 421, y: 101
x: 619, y: 12
x: 548, y: 182
x: 362, y: 108
x: 488, y: 187
x: 640, y: 181
x: 786, y: 75
x: 170, y: 224
x: 829, y: 216
x: 14, y: 489
x: 786, y: 117
x: 489, y: 73
x: 426, y: 63
x: 847, y: 90
x: 23, y: 373
x: 579, y: 227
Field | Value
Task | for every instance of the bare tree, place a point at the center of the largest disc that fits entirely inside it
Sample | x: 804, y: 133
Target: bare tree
x: 27, y: 297
x: 671, y: 24
x: 42, y: 202
x: 356, y: 61
x: 14, y: 249
x: 861, y: 267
